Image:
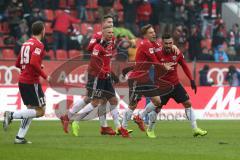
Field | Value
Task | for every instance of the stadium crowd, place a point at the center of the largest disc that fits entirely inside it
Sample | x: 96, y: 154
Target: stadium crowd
x: 197, y: 26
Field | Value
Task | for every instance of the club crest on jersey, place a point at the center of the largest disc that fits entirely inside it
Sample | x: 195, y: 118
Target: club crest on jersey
x: 174, y: 58
x: 95, y: 52
x: 151, y: 50
x: 37, y: 51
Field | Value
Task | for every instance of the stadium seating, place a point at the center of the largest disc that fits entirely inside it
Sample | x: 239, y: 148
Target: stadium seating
x: 92, y: 4
x: 61, y: 54
x: 48, y: 27
x: 84, y: 27
x: 8, y: 54
x: 49, y: 14
x: 97, y: 27
x: 1, y: 42
x: 74, y: 53
x: 4, y: 28
x: 51, y: 54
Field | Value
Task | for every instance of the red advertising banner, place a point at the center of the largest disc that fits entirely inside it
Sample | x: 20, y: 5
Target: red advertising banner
x: 209, y: 103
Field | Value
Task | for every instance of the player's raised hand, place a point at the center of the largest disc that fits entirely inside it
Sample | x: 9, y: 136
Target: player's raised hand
x: 169, y: 66
x: 175, y: 50
x: 193, y: 86
x: 49, y: 78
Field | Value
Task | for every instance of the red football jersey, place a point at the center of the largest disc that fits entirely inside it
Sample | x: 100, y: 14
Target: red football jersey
x: 172, y: 76
x: 97, y: 38
x: 145, y: 58
x: 100, y: 61
x: 30, y: 60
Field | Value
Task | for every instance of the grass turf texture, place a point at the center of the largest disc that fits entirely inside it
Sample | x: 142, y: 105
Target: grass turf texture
x: 174, y: 141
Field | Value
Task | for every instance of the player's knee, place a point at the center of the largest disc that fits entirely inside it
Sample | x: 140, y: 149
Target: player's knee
x: 156, y: 102
x: 40, y: 111
x: 113, y: 101
x: 187, y: 104
x: 95, y: 102
x: 87, y: 100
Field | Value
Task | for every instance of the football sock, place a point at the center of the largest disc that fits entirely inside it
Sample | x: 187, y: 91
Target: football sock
x: 84, y: 112
x: 152, y: 120
x: 126, y: 116
x: 25, y: 123
x: 27, y: 113
x: 150, y: 107
x: 191, y: 116
x: 76, y: 107
x: 102, y: 115
x: 115, y: 115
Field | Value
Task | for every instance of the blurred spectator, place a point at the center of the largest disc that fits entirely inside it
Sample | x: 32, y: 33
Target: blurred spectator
x: 75, y: 39
x: 3, y: 6
x: 203, y: 80
x: 154, y: 19
x: 105, y: 6
x: 220, y: 55
x: 37, y: 15
x: 219, y: 36
x: 122, y: 49
x: 206, y: 55
x: 208, y: 14
x: 19, y: 43
x: 41, y: 4
x: 194, y: 42
x: 85, y: 41
x: 166, y: 14
x: 234, y: 37
x: 180, y: 14
x: 233, y: 76
x: 144, y: 11
x: 81, y: 7
x: 129, y: 14
x: 179, y: 36
x: 61, y: 25
x: 192, y: 13
x: 123, y: 32
x: 54, y: 4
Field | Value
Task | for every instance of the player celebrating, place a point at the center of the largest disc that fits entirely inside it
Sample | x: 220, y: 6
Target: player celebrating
x: 139, y: 80
x: 81, y: 103
x: 30, y: 63
x: 179, y: 94
x: 99, y: 84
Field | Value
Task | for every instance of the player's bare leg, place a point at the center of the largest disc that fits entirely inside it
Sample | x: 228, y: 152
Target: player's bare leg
x: 191, y: 117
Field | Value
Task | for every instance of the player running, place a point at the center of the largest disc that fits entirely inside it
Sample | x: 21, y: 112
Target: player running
x: 139, y: 81
x: 179, y: 94
x: 30, y: 63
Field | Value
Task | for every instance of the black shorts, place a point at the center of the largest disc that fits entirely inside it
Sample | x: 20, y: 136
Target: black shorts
x: 137, y: 90
x: 100, y: 88
x: 32, y: 94
x: 179, y: 94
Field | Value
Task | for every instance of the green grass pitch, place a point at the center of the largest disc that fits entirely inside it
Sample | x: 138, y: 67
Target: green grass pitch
x: 174, y: 142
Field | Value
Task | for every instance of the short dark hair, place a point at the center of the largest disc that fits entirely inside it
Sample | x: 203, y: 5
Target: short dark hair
x: 107, y: 16
x: 145, y: 28
x: 37, y: 27
x: 166, y: 36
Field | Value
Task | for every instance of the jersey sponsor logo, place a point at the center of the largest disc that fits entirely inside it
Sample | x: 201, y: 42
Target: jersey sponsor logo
x: 37, y: 51
x: 95, y: 52
x: 151, y: 50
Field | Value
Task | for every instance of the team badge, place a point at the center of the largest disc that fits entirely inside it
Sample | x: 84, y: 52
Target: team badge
x: 95, y: 52
x: 151, y: 50
x: 37, y: 51
x: 174, y: 58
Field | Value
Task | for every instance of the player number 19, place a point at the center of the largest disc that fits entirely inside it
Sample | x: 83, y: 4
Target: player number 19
x: 25, y: 54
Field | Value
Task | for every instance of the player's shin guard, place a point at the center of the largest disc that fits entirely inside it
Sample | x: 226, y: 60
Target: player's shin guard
x: 191, y: 116
x: 149, y: 108
x: 126, y: 117
x: 76, y: 107
x: 152, y: 120
x: 115, y: 115
x: 102, y: 115
x: 27, y: 113
x: 25, y: 123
